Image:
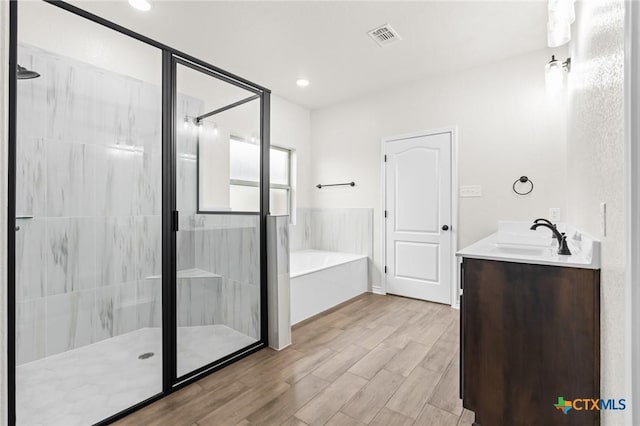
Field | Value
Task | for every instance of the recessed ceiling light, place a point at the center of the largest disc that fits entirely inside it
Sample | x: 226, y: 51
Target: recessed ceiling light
x: 143, y: 5
x: 302, y: 82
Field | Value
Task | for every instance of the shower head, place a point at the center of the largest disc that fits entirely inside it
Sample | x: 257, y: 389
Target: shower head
x: 25, y: 74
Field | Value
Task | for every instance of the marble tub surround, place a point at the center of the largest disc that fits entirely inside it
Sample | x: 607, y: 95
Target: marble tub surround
x: 279, y: 291
x: 300, y: 232
x: 347, y: 230
x: 79, y: 387
x: 339, y: 230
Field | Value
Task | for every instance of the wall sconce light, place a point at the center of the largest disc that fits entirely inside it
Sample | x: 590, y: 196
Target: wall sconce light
x: 554, y: 74
x: 562, y: 13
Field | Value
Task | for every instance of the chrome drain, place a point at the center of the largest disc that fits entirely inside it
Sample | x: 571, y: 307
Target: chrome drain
x: 146, y: 355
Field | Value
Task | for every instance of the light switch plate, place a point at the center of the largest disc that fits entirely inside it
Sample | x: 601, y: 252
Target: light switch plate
x: 603, y: 219
x: 554, y: 214
x: 471, y: 191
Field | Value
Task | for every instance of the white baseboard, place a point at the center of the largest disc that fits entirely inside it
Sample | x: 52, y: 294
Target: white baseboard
x: 378, y: 290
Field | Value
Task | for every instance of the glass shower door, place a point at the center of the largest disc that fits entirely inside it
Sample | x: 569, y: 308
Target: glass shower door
x: 218, y: 204
x: 88, y: 233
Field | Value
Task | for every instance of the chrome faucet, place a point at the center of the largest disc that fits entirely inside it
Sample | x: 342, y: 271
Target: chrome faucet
x: 561, y: 237
x: 549, y: 222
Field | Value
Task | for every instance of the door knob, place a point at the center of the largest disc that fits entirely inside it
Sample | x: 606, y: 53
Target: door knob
x: 445, y: 227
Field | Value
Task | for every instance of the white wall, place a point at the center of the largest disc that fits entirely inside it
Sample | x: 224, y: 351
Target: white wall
x: 632, y: 195
x: 595, y: 152
x: 507, y: 127
x: 4, y: 78
x: 291, y: 128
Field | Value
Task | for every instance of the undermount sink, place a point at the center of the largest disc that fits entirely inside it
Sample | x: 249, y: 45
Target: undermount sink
x: 515, y: 242
x: 523, y: 250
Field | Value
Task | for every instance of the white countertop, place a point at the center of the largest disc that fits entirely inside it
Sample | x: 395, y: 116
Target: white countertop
x: 504, y: 246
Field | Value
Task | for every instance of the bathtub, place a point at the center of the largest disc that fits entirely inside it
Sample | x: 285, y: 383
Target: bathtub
x: 323, y: 279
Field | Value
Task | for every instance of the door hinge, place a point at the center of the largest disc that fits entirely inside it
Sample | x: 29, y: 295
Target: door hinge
x: 385, y: 213
x: 385, y: 269
x: 385, y: 158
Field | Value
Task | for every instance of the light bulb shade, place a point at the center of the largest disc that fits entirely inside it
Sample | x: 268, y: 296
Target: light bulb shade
x: 143, y: 5
x: 562, y: 11
x: 554, y: 76
x: 558, y: 33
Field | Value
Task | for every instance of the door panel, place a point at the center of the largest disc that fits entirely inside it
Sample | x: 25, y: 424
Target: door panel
x: 217, y: 243
x: 417, y: 261
x: 418, y: 204
x: 413, y: 167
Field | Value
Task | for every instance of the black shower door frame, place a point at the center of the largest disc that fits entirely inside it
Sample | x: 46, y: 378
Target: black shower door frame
x: 170, y: 57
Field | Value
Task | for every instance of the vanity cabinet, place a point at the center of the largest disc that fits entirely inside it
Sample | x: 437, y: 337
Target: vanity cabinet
x: 529, y: 334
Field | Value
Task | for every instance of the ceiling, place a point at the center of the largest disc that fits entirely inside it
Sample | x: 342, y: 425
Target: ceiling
x: 274, y: 43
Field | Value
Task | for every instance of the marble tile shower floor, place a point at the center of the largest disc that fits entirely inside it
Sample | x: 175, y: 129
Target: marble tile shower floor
x: 88, y: 384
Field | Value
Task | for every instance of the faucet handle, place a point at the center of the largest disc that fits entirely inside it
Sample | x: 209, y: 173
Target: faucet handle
x: 563, y: 247
x: 564, y: 250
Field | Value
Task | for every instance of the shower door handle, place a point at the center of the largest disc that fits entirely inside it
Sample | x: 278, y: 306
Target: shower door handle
x: 176, y: 220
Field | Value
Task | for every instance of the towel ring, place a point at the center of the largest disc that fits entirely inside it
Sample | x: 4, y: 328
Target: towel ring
x: 523, y: 179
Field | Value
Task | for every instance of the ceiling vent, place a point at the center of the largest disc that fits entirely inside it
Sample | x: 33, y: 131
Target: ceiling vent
x: 384, y: 35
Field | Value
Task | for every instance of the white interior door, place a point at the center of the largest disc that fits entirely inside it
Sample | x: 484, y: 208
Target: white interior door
x: 418, y: 217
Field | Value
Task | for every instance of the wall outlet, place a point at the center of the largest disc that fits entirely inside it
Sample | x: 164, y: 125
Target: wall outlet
x: 471, y: 191
x: 554, y: 214
x: 603, y: 219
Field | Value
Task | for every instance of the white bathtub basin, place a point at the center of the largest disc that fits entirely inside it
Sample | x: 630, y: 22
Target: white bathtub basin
x: 321, y: 280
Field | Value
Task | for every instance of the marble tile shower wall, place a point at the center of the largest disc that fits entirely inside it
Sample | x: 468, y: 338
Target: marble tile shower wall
x: 225, y: 245
x: 229, y: 246
x: 89, y: 173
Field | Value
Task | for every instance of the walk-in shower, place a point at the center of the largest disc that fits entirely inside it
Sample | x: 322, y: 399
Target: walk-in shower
x: 138, y: 226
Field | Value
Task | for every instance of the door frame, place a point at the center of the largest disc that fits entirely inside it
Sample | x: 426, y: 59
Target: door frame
x: 455, y: 280
x: 632, y: 204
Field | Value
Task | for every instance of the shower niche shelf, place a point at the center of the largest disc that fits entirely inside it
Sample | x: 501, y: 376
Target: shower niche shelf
x: 193, y: 273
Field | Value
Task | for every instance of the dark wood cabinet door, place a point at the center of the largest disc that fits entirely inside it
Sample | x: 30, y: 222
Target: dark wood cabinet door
x: 530, y: 335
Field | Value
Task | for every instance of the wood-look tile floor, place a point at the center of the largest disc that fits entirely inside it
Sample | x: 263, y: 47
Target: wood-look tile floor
x: 378, y: 360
